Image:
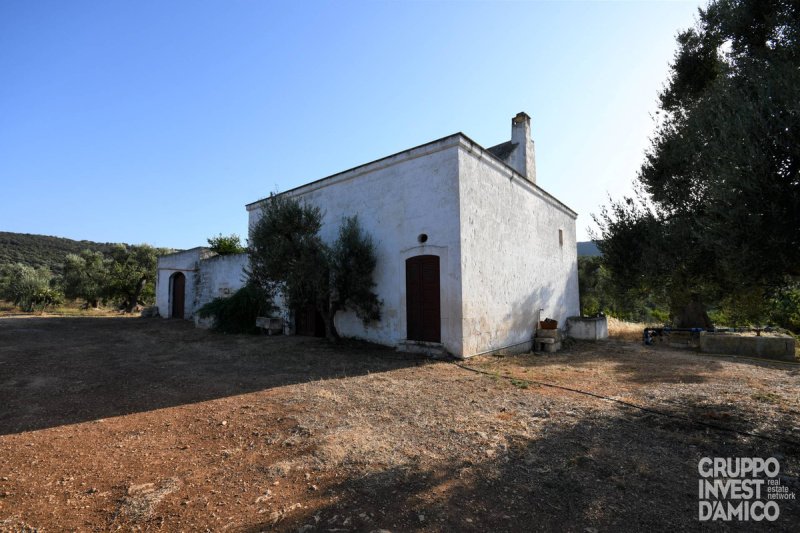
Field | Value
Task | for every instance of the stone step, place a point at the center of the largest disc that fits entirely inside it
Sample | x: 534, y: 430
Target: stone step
x: 548, y: 347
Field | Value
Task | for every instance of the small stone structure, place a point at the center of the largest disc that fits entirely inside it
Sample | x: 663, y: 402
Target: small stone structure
x: 270, y: 325
x: 547, y: 340
x: 203, y: 276
x: 771, y: 346
x: 587, y: 328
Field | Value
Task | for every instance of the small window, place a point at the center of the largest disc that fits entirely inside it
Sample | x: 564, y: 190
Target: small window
x: 561, y: 237
x: 423, y: 237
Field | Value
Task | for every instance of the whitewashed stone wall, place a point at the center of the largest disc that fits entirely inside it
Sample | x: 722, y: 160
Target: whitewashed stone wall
x: 219, y: 277
x: 512, y: 263
x: 507, y: 249
x: 185, y: 262
x: 397, y: 199
x: 208, y: 276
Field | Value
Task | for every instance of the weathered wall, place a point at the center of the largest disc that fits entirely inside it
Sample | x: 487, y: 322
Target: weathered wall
x: 512, y: 263
x: 770, y: 346
x: 185, y: 262
x: 497, y: 235
x: 594, y: 328
x: 397, y: 199
x: 218, y: 277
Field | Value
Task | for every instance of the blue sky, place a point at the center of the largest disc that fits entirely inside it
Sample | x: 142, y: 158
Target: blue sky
x: 157, y: 121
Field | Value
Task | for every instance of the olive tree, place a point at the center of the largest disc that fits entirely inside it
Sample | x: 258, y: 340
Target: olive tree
x: 287, y: 255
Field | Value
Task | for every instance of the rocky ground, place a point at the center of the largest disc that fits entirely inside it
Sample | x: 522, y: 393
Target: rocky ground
x: 147, y: 424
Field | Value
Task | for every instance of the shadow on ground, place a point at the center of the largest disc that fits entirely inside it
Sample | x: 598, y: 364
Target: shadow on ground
x: 56, y: 371
x: 620, y: 471
x: 628, y: 361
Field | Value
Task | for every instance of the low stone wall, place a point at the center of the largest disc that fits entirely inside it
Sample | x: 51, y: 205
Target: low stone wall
x: 772, y: 346
x: 592, y: 329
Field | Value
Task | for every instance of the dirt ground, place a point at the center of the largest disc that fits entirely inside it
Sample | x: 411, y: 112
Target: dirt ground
x: 148, y: 424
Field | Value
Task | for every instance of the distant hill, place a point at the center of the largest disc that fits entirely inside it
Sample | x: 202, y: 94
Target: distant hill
x: 43, y: 250
x: 588, y: 248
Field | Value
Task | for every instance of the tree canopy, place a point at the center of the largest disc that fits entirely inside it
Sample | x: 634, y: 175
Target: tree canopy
x: 86, y: 277
x: 287, y: 255
x: 27, y: 287
x: 126, y: 275
x: 132, y: 275
x: 717, y: 212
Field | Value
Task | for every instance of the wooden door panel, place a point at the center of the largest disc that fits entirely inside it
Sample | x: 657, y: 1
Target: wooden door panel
x: 178, y: 295
x: 309, y: 322
x: 423, y: 306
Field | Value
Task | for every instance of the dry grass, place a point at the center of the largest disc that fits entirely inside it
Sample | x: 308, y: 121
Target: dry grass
x: 70, y: 309
x: 153, y: 425
x: 627, y: 331
x: 632, y: 331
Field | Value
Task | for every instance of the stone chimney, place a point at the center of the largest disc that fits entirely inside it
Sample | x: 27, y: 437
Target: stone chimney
x: 523, y: 160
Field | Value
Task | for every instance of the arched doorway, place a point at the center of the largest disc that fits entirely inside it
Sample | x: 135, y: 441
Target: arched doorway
x: 178, y: 295
x: 423, y: 309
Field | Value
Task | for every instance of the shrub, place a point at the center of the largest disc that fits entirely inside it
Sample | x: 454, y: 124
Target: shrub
x: 226, y: 244
x: 29, y: 288
x: 237, y: 313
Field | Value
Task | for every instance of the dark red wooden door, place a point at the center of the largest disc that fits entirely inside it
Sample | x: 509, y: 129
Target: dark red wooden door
x: 423, y: 311
x: 309, y: 322
x: 178, y: 294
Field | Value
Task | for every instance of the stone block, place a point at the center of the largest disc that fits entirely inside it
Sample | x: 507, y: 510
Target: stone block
x: 271, y: 325
x: 593, y: 329
x: 772, y: 346
x: 547, y: 340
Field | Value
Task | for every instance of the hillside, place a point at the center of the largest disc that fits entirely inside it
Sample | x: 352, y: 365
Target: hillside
x: 43, y: 250
x: 588, y: 248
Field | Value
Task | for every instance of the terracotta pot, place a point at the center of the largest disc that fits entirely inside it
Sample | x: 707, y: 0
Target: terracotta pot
x: 548, y: 323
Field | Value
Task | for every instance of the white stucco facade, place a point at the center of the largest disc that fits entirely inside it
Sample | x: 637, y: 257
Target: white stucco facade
x: 397, y: 199
x: 507, y: 249
x: 519, y: 259
x: 219, y: 276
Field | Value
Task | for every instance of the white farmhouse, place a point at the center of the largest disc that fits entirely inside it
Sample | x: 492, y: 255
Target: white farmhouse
x: 472, y: 253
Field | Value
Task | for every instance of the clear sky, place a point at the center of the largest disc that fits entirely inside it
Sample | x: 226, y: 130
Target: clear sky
x: 137, y: 121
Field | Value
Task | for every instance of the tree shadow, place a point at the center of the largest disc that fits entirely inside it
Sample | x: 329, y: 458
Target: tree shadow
x: 524, y: 315
x: 56, y: 371
x: 627, y: 361
x: 612, y: 471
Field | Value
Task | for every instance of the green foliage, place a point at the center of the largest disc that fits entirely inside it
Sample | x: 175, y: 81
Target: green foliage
x: 592, y: 279
x: 598, y: 294
x: 785, y: 306
x: 715, y: 221
x: 132, y: 275
x: 126, y: 276
x: 288, y: 255
x: 94, y: 272
x: 27, y: 287
x: 352, y: 262
x: 226, y: 244
x: 86, y: 277
x: 42, y: 250
x: 237, y: 313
